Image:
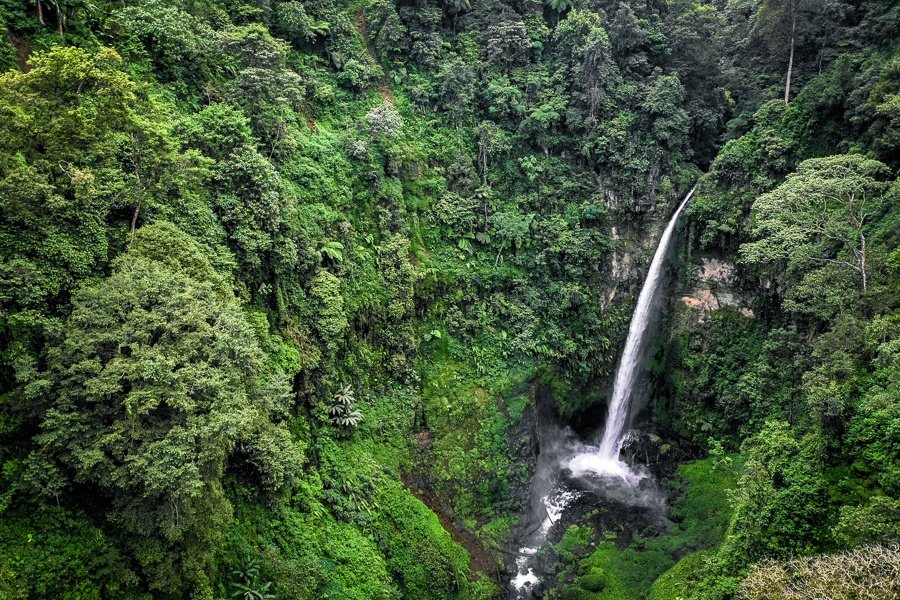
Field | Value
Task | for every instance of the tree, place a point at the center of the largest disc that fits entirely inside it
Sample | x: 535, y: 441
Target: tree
x: 506, y: 41
x: 268, y: 92
x: 820, y: 215
x: 384, y: 121
x: 671, y: 123
x: 247, y: 191
x: 585, y: 61
x: 295, y: 25
x: 182, y: 46
x: 158, y: 381
x: 81, y: 148
x: 492, y: 140
x: 781, y: 499
x: 457, y: 87
x: 783, y: 26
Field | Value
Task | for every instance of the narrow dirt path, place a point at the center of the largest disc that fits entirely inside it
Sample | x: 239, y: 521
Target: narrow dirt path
x: 417, y: 482
x: 364, y: 28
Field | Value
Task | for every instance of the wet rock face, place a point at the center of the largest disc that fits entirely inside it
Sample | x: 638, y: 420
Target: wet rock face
x: 524, y: 443
x: 634, y: 242
x: 659, y: 456
x: 712, y: 287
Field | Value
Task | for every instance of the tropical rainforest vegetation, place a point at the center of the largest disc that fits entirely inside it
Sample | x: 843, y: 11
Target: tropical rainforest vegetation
x: 279, y: 280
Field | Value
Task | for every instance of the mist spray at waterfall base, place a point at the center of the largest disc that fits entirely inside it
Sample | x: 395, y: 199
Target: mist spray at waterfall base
x: 605, y: 461
x: 568, y: 471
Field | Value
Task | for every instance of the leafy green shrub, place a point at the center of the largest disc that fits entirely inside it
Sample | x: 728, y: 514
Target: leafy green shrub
x: 594, y: 581
x: 878, y: 520
x: 331, y: 322
x: 577, y: 593
x: 341, y: 410
x: 135, y: 416
x: 683, y: 579
x: 9, y: 57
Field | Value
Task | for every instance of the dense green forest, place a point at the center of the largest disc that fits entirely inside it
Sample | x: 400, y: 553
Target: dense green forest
x: 283, y: 282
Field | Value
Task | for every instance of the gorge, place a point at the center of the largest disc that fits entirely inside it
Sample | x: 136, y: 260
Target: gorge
x: 327, y: 299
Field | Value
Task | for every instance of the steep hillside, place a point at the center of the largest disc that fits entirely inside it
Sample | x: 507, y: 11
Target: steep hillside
x: 279, y: 282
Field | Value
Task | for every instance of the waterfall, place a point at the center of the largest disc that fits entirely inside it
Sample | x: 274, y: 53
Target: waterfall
x: 605, y: 459
x: 551, y: 496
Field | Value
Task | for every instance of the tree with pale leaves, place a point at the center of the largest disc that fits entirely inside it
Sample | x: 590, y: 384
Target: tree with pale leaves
x: 821, y: 216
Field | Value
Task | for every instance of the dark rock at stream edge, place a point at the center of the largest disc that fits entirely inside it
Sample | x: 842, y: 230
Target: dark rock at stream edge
x: 660, y: 457
x: 610, y: 519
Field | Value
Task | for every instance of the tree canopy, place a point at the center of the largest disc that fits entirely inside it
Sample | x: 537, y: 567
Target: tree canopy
x: 158, y: 382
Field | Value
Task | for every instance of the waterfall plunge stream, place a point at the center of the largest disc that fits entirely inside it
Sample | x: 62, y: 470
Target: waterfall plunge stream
x: 602, y: 462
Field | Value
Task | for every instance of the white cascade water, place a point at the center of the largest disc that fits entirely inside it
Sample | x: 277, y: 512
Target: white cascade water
x: 605, y: 459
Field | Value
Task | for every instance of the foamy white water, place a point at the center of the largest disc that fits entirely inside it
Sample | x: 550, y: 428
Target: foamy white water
x: 619, y: 481
x: 555, y: 503
x: 592, y: 463
x: 525, y: 579
x: 604, y: 460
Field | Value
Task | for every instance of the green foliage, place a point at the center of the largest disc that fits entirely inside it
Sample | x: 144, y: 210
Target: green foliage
x: 333, y: 250
x: 9, y: 57
x: 307, y: 553
x: 58, y: 554
x: 743, y: 167
x: 684, y: 579
x: 181, y: 47
x: 647, y: 567
x: 729, y: 378
x: 781, y: 499
x: 819, y: 237
x: 246, y: 582
x: 158, y: 381
x: 296, y: 25
x: 875, y: 521
x: 217, y: 213
x: 424, y: 559
x: 464, y: 410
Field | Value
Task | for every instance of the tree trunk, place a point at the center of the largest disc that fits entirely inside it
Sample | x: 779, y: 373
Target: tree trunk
x: 787, y: 86
x: 59, y: 17
x: 134, y: 218
x: 862, y: 260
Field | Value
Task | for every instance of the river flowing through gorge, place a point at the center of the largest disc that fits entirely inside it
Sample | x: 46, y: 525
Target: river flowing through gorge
x: 570, y: 472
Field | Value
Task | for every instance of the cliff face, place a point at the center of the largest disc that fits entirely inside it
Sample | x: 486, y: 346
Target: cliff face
x: 635, y: 230
x: 712, y: 286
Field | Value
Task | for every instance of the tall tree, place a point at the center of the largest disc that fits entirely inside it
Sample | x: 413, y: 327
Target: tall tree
x: 784, y: 27
x: 158, y: 381
x: 821, y: 215
x: 775, y: 24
